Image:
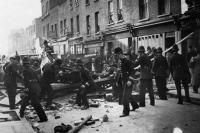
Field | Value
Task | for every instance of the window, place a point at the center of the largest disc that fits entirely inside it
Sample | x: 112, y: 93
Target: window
x: 61, y: 27
x: 71, y: 4
x: 47, y: 27
x: 97, y: 28
x: 43, y: 10
x: 47, y: 7
x: 76, y: 3
x: 88, y: 24
x: 163, y: 7
x: 77, y: 24
x: 72, y: 25
x: 56, y: 29
x: 52, y: 28
x: 43, y: 31
x: 119, y: 10
x: 143, y: 9
x: 71, y: 49
x: 110, y: 12
x: 87, y: 2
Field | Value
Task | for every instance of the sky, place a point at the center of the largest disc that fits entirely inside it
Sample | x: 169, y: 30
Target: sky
x: 16, y: 14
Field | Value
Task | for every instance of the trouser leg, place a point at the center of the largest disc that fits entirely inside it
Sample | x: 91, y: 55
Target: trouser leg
x: 125, y: 100
x: 49, y: 94
x: 161, y: 85
x: 38, y: 108
x: 195, y: 88
x: 11, y: 90
x: 25, y: 103
x: 142, y: 92
x: 186, y: 88
x: 150, y: 90
x: 84, y: 97
x: 178, y: 88
x: 78, y: 98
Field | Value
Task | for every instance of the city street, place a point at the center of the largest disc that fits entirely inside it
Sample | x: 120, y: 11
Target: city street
x: 165, y: 117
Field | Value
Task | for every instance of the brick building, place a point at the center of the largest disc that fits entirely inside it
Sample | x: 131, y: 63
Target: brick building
x: 98, y: 26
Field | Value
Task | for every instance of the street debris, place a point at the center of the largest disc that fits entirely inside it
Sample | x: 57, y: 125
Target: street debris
x: 62, y: 128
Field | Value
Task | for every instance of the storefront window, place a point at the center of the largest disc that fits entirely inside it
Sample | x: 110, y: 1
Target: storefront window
x: 71, y: 49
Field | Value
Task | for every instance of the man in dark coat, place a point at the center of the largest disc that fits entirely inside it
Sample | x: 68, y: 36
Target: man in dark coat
x: 125, y: 81
x: 31, y: 83
x: 86, y: 83
x: 160, y: 67
x: 195, y: 65
x: 145, y: 76
x: 10, y: 81
x: 50, y: 71
x: 180, y: 73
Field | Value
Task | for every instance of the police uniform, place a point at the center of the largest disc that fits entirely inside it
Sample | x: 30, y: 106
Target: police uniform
x: 180, y: 73
x: 160, y: 67
x: 125, y: 83
x: 31, y: 82
x: 10, y: 82
x: 145, y: 77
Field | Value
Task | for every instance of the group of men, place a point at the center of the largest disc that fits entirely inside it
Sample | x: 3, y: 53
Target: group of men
x: 151, y: 64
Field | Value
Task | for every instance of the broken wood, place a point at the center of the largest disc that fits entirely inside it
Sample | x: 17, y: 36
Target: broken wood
x: 76, y: 129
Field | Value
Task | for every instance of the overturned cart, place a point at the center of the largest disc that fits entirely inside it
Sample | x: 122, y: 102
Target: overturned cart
x: 70, y: 82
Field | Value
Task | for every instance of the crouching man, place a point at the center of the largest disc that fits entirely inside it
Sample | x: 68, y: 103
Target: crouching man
x: 86, y: 82
x: 33, y: 91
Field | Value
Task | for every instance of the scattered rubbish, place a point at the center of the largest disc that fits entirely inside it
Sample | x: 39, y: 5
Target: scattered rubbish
x: 76, y: 129
x: 108, y: 106
x: 105, y: 118
x: 120, y: 125
x: 97, y: 129
x: 109, y: 97
x: 107, y: 111
x: 96, y: 105
x: 62, y: 128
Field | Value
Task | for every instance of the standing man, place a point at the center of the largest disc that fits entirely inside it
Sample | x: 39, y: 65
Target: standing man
x: 31, y: 83
x: 50, y: 71
x: 145, y: 76
x: 160, y: 67
x: 86, y: 83
x: 180, y: 73
x: 126, y: 82
x: 195, y: 65
x: 10, y: 81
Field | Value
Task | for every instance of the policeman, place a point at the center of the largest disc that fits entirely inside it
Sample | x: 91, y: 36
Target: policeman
x: 10, y: 80
x: 145, y: 76
x: 50, y: 71
x: 126, y: 82
x: 31, y: 83
x: 159, y: 68
x: 180, y: 73
x: 86, y: 83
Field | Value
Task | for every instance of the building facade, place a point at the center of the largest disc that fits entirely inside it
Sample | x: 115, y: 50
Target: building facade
x: 89, y: 27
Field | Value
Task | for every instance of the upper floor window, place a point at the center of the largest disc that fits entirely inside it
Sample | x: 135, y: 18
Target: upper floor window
x: 97, y: 28
x: 47, y: 7
x: 48, y: 28
x: 110, y: 12
x: 72, y: 25
x: 43, y: 10
x: 61, y: 27
x: 87, y: 2
x: 163, y: 7
x: 71, y: 4
x: 56, y: 29
x: 119, y: 10
x: 88, y: 24
x: 77, y: 3
x: 143, y: 9
x: 77, y: 24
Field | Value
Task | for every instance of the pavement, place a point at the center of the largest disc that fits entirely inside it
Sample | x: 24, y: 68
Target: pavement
x: 195, y: 97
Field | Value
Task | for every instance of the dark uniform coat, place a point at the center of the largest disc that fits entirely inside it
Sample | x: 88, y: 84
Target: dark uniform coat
x: 195, y: 64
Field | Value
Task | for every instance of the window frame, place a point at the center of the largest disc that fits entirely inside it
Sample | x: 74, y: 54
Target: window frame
x: 167, y: 9
x: 147, y: 10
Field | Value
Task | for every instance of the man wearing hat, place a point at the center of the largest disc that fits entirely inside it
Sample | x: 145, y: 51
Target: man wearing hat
x: 31, y: 83
x: 86, y: 82
x: 125, y: 82
x: 50, y: 71
x: 180, y: 73
x: 159, y: 68
x: 10, y: 80
x: 145, y: 76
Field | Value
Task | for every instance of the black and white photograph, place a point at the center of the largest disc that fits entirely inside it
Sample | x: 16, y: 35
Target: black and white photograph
x: 100, y: 66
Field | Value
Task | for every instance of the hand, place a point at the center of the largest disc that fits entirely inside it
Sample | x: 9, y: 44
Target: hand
x: 87, y: 84
x: 82, y: 86
x: 129, y: 83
